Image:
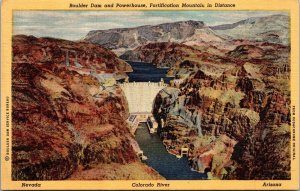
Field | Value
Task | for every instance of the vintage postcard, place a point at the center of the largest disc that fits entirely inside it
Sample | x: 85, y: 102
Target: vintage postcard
x: 150, y: 95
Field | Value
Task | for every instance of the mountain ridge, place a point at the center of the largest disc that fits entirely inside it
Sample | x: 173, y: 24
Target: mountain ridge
x: 273, y: 29
x: 221, y: 27
x: 123, y: 39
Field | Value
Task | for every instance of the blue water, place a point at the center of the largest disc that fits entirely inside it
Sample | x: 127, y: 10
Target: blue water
x: 144, y: 72
x: 159, y: 159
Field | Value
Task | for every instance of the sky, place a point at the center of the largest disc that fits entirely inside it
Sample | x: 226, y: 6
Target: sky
x: 74, y: 25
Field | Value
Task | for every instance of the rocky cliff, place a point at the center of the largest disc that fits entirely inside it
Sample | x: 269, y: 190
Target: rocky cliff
x: 228, y: 120
x: 30, y: 49
x: 163, y: 54
x: 64, y: 125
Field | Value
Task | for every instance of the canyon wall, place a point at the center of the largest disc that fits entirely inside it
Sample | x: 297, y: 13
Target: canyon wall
x: 236, y: 124
x: 64, y: 125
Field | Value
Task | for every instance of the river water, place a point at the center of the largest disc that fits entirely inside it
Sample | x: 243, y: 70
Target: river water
x: 158, y: 158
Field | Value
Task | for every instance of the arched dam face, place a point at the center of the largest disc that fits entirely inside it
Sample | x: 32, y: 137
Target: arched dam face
x: 140, y: 96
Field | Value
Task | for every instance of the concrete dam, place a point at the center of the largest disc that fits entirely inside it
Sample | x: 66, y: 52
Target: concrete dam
x: 140, y: 95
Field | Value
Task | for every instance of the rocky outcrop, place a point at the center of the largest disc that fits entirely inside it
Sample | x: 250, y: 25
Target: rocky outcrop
x: 62, y: 121
x: 239, y: 116
x: 164, y: 54
x: 246, y: 52
x: 29, y: 49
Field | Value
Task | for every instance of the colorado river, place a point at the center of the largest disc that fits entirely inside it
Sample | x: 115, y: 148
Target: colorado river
x: 158, y: 158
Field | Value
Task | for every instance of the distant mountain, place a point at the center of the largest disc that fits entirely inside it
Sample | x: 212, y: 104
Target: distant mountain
x: 123, y: 39
x: 274, y: 29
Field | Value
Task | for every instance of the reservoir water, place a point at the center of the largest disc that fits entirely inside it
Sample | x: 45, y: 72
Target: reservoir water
x: 144, y: 72
x: 159, y: 159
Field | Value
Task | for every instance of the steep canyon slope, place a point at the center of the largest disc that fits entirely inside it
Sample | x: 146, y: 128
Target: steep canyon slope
x: 64, y: 124
x: 229, y: 120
